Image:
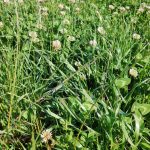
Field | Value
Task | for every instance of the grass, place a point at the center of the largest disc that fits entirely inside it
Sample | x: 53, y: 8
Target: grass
x: 93, y: 92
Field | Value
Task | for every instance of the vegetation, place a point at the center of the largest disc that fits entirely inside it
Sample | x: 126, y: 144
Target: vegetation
x: 74, y: 74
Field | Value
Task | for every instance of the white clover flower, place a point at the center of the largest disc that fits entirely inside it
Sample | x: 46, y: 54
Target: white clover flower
x: 122, y: 9
x: 61, y: 6
x: 133, y: 72
x: 147, y: 7
x: 127, y: 7
x: 66, y: 22
x: 35, y: 40
x: 33, y: 36
x: 63, y: 31
x: 77, y: 63
x: 6, y: 1
x: 72, y: 1
x: 101, y: 30
x: 140, y: 10
x: 56, y: 45
x: 143, y: 5
x: 111, y: 7
x: 45, y: 14
x: 71, y: 38
x: 136, y: 36
x: 39, y: 26
x: 115, y: 13
x: 77, y: 9
x: 67, y: 8
x: 134, y: 20
x: 93, y: 43
x: 46, y: 136
x: 20, y: 1
x: 148, y: 12
x: 1, y: 24
x: 63, y: 13
x: 44, y: 11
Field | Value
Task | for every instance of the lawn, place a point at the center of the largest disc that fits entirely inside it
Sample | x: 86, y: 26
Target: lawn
x: 74, y: 75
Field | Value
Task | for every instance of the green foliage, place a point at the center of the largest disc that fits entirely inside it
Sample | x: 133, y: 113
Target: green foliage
x: 65, y: 69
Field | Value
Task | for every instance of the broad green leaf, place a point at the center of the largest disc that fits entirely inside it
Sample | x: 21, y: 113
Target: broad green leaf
x: 145, y: 146
x: 138, y: 123
x: 128, y: 120
x: 122, y: 82
x: 91, y: 134
x: 147, y: 131
x: 146, y: 59
x: 69, y: 136
x: 143, y: 108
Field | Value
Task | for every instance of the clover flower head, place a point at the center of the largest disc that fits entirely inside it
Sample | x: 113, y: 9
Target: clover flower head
x: 46, y: 136
x: 56, y: 45
x: 136, y: 36
x: 93, y: 43
x: 133, y: 72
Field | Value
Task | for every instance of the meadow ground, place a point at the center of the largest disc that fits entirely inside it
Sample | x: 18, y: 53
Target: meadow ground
x: 74, y: 74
